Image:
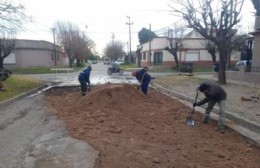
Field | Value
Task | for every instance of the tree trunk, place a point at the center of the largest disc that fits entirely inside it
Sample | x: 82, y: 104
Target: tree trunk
x: 174, y: 53
x: 70, y: 62
x: 213, y: 55
x: 78, y: 62
x: 176, y: 61
x: 139, y: 56
x: 1, y: 63
x: 222, y: 66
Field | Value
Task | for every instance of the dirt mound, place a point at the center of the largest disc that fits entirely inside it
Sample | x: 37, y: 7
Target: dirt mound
x: 133, y: 130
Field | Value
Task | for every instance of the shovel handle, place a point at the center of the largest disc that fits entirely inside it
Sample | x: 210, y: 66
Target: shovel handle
x: 196, y: 97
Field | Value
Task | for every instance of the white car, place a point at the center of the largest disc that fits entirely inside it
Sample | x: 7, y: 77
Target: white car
x: 241, y: 64
x: 119, y: 62
x: 106, y: 61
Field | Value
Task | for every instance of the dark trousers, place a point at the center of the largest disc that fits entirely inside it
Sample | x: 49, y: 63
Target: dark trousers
x: 83, y: 85
x: 145, y: 85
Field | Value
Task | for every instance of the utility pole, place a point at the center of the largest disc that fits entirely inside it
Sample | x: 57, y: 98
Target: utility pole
x: 54, y: 47
x: 113, y: 36
x: 129, y: 23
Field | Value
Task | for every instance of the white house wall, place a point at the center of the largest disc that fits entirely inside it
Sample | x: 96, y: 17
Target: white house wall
x: 192, y: 43
x: 256, y: 51
x: 33, y: 53
x: 156, y: 43
x: 28, y: 58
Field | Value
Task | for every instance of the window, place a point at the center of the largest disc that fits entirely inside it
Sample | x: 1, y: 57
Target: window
x: 144, y: 55
x: 10, y: 59
x: 192, y: 56
x: 158, y: 58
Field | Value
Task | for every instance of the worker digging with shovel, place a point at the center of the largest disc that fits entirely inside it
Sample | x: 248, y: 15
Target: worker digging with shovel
x: 84, y: 80
x: 143, y: 78
x: 214, y: 93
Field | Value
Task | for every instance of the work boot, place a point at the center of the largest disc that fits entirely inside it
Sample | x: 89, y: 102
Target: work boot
x: 205, y: 119
x: 221, y: 129
x: 83, y: 94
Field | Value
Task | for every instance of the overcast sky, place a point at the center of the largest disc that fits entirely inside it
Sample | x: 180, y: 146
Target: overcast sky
x: 106, y: 17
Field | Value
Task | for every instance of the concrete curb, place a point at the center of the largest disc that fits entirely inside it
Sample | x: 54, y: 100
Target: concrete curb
x: 245, y: 127
x: 11, y: 100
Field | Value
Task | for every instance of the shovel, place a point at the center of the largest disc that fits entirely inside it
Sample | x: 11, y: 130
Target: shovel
x: 189, y: 120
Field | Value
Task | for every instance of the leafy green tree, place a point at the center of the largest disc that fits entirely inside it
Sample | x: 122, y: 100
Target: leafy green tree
x: 256, y: 4
x: 145, y: 35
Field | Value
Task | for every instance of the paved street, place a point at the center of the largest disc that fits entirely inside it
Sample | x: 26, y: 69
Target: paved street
x: 47, y: 141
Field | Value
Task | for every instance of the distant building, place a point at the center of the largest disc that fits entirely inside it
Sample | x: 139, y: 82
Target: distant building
x: 193, y: 51
x: 33, y: 53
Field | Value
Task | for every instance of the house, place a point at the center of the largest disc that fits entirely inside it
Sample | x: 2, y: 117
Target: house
x: 249, y: 73
x: 193, y: 51
x: 256, y: 49
x: 33, y: 53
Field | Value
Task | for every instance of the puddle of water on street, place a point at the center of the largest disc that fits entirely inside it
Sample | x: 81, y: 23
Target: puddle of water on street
x: 96, y: 80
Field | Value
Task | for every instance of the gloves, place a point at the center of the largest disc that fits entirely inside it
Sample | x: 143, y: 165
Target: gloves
x: 197, y: 90
x: 138, y: 87
x: 195, y: 104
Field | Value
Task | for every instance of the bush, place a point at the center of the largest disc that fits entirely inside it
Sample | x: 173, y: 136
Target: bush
x: 4, y: 74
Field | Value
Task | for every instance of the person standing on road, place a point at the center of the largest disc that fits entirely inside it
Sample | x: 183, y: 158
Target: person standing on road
x: 143, y: 78
x: 84, y: 79
x: 214, y: 93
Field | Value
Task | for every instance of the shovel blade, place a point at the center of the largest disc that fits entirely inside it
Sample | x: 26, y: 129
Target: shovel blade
x: 190, y: 121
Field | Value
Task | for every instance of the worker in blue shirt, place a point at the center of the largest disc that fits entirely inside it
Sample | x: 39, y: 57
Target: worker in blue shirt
x: 84, y: 80
x: 143, y: 78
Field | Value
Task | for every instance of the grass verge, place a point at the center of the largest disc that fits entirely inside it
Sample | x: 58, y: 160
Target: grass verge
x: 16, y: 85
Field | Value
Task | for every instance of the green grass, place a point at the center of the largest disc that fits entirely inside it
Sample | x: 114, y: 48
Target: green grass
x: 16, y: 85
x: 169, y: 69
x: 128, y: 66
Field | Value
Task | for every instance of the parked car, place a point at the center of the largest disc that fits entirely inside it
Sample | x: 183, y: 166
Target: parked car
x: 241, y: 64
x: 106, y: 61
x: 119, y: 62
x: 94, y: 62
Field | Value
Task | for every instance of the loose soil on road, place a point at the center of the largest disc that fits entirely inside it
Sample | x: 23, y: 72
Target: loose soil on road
x: 135, y: 131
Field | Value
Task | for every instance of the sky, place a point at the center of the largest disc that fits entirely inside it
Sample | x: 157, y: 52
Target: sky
x: 100, y: 19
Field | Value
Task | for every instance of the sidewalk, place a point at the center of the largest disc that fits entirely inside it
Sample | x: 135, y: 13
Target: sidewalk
x: 242, y: 116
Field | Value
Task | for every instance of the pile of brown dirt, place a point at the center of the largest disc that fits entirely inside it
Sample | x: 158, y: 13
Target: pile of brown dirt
x: 136, y: 131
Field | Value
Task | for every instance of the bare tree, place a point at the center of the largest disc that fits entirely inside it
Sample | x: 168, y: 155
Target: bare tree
x: 211, y: 47
x: 7, y: 45
x: 114, y: 50
x: 175, y: 37
x: 82, y: 47
x: 12, y: 17
x: 76, y: 44
x: 214, y: 20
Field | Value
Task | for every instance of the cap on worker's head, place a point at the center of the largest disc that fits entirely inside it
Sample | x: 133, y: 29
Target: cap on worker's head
x: 145, y: 68
x: 203, y: 87
x: 133, y: 73
x: 89, y: 67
